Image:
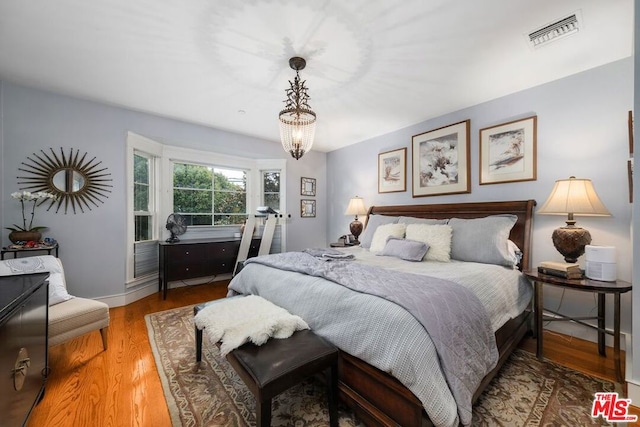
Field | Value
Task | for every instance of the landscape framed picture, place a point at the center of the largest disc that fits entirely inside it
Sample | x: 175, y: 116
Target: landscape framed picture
x: 440, y: 161
x: 508, y: 152
x: 392, y: 171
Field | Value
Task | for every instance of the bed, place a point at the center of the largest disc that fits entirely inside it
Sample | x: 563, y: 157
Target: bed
x: 388, y: 375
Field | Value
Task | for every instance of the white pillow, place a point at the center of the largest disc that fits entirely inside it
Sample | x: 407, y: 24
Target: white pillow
x: 438, y: 237
x: 383, y: 232
x: 57, y: 291
x: 36, y: 264
x: 372, y: 225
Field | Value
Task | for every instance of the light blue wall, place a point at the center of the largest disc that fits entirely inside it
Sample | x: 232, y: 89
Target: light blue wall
x: 633, y: 369
x: 93, y: 243
x: 582, y: 131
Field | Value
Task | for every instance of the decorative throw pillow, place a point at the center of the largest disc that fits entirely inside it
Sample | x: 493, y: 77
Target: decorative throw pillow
x: 372, y: 224
x: 409, y: 250
x: 383, y: 232
x: 482, y: 239
x: 437, y: 236
x: 37, y: 264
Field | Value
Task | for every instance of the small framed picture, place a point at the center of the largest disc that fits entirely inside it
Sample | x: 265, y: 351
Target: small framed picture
x: 307, y: 186
x: 307, y: 208
x: 440, y: 160
x: 508, y: 152
x: 392, y: 171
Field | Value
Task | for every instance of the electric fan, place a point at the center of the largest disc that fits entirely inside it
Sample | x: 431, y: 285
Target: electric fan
x: 177, y: 225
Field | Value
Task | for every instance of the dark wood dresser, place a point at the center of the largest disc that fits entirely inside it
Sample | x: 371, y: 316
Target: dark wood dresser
x: 188, y: 259
x: 23, y: 352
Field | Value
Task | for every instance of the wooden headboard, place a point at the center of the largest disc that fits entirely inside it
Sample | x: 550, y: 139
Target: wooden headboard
x: 520, y: 233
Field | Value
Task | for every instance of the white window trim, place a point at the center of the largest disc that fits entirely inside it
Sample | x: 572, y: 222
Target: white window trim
x: 163, y: 192
x: 137, y: 142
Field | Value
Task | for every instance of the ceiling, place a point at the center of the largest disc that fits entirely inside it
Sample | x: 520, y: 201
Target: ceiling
x: 373, y: 66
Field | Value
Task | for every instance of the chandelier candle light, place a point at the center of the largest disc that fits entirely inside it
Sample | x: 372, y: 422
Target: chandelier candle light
x: 356, y: 207
x: 297, y: 120
x: 572, y: 197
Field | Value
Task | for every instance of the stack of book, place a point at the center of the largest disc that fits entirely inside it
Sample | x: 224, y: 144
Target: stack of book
x: 561, y: 269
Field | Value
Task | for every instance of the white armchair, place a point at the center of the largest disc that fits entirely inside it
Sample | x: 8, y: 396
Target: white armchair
x: 69, y: 316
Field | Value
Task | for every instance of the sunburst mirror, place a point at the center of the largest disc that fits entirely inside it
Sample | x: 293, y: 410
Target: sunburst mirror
x: 77, y: 182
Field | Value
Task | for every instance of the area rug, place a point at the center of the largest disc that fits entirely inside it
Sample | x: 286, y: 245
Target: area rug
x: 526, y: 392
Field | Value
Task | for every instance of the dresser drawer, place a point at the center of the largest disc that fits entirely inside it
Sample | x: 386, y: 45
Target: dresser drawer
x: 186, y: 253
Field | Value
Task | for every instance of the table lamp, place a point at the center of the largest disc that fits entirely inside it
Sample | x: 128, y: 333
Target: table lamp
x: 572, y: 197
x: 356, y: 207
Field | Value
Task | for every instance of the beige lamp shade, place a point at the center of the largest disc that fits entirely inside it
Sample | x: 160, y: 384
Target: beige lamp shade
x: 356, y: 207
x: 572, y: 197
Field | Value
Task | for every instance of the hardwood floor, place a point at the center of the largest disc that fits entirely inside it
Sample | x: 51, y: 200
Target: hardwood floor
x: 121, y: 387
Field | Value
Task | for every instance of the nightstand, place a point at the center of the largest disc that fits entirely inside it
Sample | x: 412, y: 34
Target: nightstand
x: 616, y: 288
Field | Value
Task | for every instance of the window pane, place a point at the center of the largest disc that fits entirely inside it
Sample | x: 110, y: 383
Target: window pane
x: 142, y: 228
x: 271, y: 189
x: 198, y: 219
x: 229, y: 219
x: 141, y: 197
x: 192, y: 201
x: 227, y: 202
x: 272, y: 201
x: 271, y: 182
x: 210, y: 196
x: 140, y: 169
x: 230, y: 179
x: 192, y: 176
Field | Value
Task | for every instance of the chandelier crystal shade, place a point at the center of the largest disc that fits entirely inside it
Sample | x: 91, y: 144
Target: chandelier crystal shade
x: 297, y: 120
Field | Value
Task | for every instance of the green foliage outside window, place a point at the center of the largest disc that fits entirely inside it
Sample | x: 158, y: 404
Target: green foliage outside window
x: 271, y: 189
x: 209, y: 196
x: 141, y: 198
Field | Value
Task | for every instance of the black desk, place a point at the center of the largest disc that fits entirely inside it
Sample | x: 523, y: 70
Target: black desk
x: 188, y: 259
x: 585, y: 285
x: 15, y: 251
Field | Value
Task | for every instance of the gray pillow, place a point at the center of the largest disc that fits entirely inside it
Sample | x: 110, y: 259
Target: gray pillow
x: 409, y: 250
x: 413, y: 220
x: 482, y: 240
x: 372, y: 225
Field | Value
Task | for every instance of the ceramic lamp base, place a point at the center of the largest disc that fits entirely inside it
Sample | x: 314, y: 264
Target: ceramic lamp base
x: 570, y: 242
x: 356, y: 229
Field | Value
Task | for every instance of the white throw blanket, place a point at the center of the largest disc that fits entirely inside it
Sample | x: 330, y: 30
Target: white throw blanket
x: 235, y: 321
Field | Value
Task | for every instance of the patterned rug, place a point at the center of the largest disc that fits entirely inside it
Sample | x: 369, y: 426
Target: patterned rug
x: 525, y: 393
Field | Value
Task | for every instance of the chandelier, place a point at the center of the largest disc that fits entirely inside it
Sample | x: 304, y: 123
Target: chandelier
x: 297, y: 120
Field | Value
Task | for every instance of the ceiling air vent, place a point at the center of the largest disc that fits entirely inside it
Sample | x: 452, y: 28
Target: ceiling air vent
x: 555, y: 31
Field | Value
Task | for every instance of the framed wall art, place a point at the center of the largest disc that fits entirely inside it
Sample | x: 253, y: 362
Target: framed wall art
x: 307, y: 186
x: 307, y: 208
x: 392, y: 171
x: 440, y: 160
x: 508, y: 152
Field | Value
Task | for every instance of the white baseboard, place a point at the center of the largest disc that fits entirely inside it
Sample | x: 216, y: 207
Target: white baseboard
x: 151, y: 287
x: 633, y: 393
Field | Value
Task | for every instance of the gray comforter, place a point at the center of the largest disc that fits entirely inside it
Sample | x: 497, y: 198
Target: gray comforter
x: 381, y: 332
x: 452, y: 315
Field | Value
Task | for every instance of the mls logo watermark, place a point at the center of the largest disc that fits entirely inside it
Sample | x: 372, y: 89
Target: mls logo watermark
x: 612, y: 408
